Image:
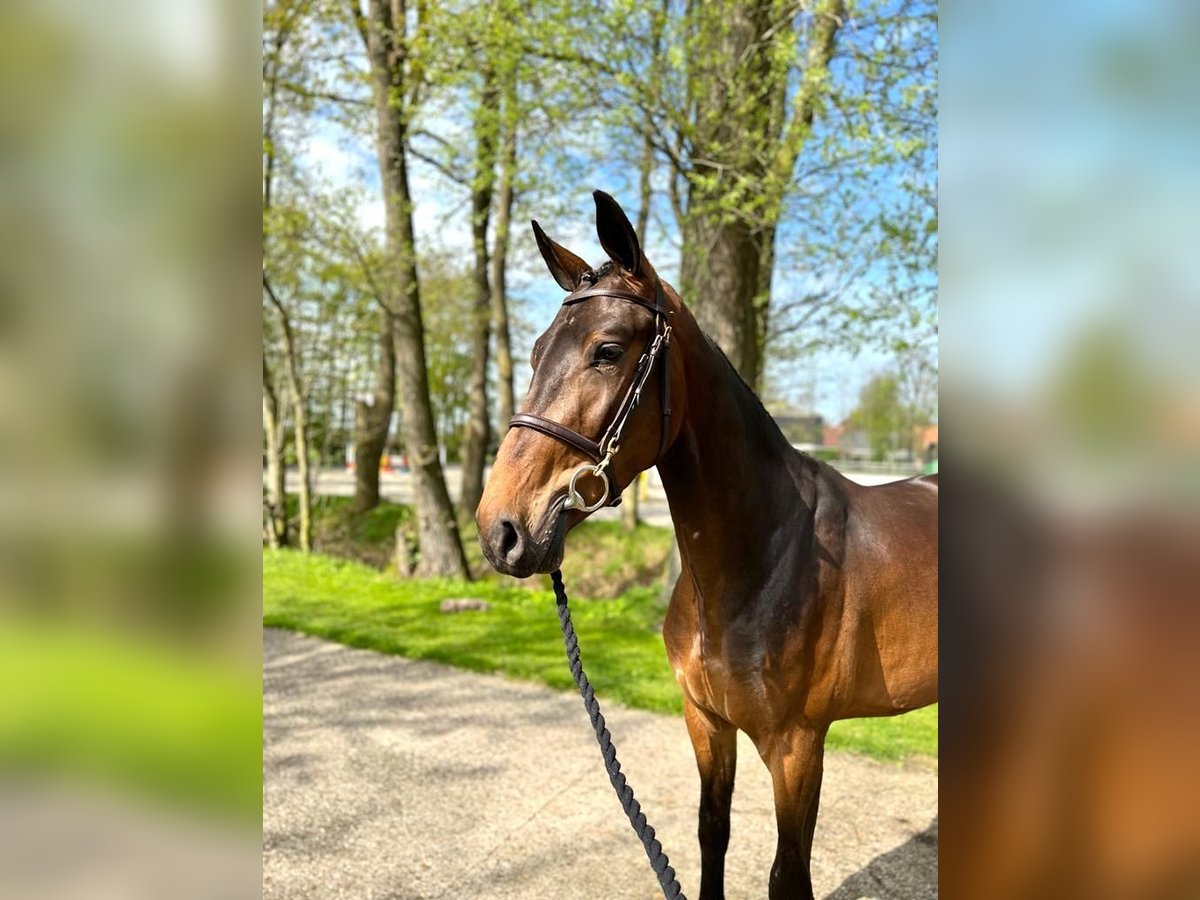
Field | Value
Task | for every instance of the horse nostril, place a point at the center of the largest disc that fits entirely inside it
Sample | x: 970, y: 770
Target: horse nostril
x: 511, y: 545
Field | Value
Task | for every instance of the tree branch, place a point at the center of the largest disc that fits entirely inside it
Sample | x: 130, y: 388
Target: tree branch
x: 827, y: 19
x: 299, y: 90
x: 457, y: 178
x: 354, y: 8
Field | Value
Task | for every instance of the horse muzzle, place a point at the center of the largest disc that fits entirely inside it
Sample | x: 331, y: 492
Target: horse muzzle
x: 513, y: 549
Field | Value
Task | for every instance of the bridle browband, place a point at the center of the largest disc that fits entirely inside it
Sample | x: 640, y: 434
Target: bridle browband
x: 601, y: 452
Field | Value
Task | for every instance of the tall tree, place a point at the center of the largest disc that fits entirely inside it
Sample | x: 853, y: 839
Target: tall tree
x: 719, y: 111
x: 478, y: 428
x: 291, y: 361
x: 373, y: 412
x: 744, y: 151
x: 279, y: 22
x: 373, y: 418
x: 507, y: 73
x: 396, y: 82
x: 478, y: 62
x: 809, y: 117
x: 275, y: 513
x: 629, y: 498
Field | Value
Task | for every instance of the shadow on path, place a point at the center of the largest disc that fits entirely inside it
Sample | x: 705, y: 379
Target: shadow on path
x: 909, y: 872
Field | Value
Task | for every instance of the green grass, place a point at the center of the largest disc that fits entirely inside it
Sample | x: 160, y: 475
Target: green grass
x: 894, y: 737
x: 84, y: 704
x: 617, y: 559
x: 519, y: 636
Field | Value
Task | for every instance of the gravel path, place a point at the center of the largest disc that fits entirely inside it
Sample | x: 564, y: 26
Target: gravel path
x: 391, y: 778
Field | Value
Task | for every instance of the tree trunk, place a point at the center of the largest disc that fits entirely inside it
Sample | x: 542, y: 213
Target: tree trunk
x: 719, y: 276
x: 299, y: 417
x: 629, y: 498
x: 478, y: 431
x: 276, y: 499
x: 276, y: 511
x: 300, y: 433
x: 372, y: 421
x: 440, y: 547
x: 748, y: 153
x: 343, y: 406
x: 762, y: 295
x: 733, y: 88
x: 504, y: 204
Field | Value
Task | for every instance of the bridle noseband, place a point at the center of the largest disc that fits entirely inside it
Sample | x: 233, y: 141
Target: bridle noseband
x: 602, y: 451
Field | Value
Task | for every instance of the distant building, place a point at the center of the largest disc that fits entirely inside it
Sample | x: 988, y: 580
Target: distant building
x: 924, y: 437
x: 831, y: 435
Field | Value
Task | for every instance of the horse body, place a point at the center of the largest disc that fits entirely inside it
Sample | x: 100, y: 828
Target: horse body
x: 796, y: 604
x: 803, y: 598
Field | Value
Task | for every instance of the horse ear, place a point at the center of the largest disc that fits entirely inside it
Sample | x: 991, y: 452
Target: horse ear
x: 617, y: 236
x: 567, y: 268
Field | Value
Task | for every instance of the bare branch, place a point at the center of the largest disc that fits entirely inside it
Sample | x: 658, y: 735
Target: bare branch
x: 298, y: 90
x: 456, y: 177
x: 354, y: 8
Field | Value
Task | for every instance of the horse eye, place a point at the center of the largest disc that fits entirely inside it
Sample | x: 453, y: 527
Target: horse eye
x: 609, y: 353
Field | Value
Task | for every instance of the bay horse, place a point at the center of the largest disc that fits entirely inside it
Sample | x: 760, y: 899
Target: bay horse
x: 803, y: 597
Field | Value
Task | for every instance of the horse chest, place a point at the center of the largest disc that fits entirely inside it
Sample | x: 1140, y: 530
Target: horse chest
x: 754, y: 671
x: 715, y: 682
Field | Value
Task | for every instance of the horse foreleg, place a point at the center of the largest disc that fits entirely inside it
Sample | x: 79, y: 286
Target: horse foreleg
x: 795, y: 760
x: 715, y: 743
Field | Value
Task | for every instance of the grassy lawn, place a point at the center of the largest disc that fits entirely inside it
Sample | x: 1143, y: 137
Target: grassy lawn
x: 519, y: 636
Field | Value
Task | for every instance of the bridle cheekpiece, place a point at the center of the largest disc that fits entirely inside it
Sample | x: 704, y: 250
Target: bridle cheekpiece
x: 602, y: 452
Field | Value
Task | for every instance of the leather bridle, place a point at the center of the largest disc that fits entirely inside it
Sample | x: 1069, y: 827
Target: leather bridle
x: 601, y: 452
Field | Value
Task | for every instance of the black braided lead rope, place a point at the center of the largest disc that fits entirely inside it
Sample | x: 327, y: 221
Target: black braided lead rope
x: 645, y: 831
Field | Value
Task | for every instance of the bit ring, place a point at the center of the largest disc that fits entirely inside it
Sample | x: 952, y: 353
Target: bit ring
x: 575, y: 499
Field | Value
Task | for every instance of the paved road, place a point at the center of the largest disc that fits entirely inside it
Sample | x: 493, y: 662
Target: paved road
x: 397, y: 487
x: 392, y: 778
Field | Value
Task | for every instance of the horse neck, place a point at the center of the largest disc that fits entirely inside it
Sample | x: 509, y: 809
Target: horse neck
x: 726, y: 473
